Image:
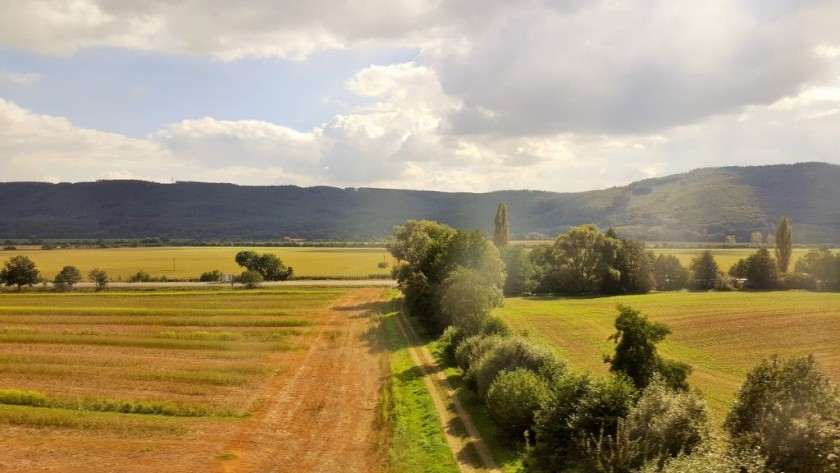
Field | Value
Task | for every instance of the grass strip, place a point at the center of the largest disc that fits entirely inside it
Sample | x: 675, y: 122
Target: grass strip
x: 15, y: 397
x: 418, y: 443
x: 120, y: 341
x: 36, y: 417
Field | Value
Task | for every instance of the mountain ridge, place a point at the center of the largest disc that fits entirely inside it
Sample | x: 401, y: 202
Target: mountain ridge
x: 704, y: 204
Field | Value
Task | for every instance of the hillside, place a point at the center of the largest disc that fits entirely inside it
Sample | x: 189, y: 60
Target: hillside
x: 701, y: 205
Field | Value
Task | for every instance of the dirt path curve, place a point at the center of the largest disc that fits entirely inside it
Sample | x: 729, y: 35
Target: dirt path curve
x: 321, y: 418
x: 462, y: 435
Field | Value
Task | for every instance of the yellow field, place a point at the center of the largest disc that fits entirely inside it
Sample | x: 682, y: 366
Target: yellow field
x: 721, y: 334
x: 190, y: 262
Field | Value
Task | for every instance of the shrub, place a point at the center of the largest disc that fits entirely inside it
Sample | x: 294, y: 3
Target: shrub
x: 709, y: 457
x: 251, y: 279
x: 211, y: 276
x: 798, y: 281
x: 494, y: 325
x: 448, y: 342
x: 67, y: 277
x: 579, y: 411
x: 98, y: 277
x: 788, y: 409
x: 469, y: 352
x: 140, y: 276
x: 513, y: 400
x: 510, y: 354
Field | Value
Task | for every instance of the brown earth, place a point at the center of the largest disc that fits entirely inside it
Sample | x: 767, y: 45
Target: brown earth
x: 318, y: 415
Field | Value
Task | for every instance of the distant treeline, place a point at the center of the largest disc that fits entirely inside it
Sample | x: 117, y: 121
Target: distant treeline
x: 706, y: 205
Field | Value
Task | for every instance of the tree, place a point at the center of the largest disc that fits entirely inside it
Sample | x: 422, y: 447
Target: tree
x: 730, y: 240
x: 19, y: 271
x: 823, y: 266
x: 514, y: 398
x: 761, y: 270
x: 502, y: 234
x: 784, y: 244
x: 270, y: 267
x: 467, y: 299
x: 669, y: 273
x: 67, y: 277
x: 704, y: 271
x: 635, y: 267
x: 635, y: 351
x: 789, y: 409
x: 99, y: 277
x: 251, y: 279
x: 520, y: 272
x: 586, y: 253
x: 756, y: 238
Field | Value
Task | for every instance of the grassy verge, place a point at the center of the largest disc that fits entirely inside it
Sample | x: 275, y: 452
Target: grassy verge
x: 418, y: 443
x: 504, y: 452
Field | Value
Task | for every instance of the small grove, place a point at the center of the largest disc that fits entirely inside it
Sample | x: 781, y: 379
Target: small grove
x: 786, y: 416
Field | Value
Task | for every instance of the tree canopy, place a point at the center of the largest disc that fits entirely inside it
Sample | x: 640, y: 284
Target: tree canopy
x: 268, y: 265
x: 501, y: 236
x: 19, y: 271
x: 784, y: 244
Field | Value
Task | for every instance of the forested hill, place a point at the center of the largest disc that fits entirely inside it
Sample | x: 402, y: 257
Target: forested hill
x: 702, y: 205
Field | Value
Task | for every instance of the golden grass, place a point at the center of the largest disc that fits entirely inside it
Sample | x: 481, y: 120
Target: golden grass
x: 190, y: 262
x: 722, y: 335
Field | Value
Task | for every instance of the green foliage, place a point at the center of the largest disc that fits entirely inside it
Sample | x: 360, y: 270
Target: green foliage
x: 710, y: 457
x: 19, y: 271
x: 251, y: 279
x: 67, y: 277
x: 790, y: 411
x: 501, y: 235
x: 514, y: 353
x: 587, y: 253
x: 470, y: 351
x: 428, y: 253
x: 784, y: 244
x: 635, y: 351
x: 579, y: 409
x: 635, y: 267
x: 467, y: 299
x: 140, y: 276
x: 495, y: 325
x: 268, y: 265
x: 514, y: 398
x: 520, y: 272
x: 669, y: 273
x: 98, y: 277
x: 761, y: 270
x: 823, y: 266
x: 211, y: 276
x: 448, y: 343
x: 704, y: 271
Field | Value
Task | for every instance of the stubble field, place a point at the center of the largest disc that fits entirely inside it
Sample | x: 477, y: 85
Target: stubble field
x: 189, y: 380
x: 721, y: 334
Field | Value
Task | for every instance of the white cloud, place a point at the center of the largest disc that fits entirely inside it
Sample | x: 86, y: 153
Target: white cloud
x: 19, y: 78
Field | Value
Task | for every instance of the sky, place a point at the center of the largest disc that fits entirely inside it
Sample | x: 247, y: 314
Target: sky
x: 449, y: 95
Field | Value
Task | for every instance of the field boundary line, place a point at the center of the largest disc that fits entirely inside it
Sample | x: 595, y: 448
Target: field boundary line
x: 449, y: 408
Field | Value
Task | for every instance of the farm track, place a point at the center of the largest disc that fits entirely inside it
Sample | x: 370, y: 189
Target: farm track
x: 322, y: 417
x: 463, y: 437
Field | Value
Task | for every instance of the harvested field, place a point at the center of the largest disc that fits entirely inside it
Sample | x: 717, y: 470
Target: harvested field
x: 190, y: 381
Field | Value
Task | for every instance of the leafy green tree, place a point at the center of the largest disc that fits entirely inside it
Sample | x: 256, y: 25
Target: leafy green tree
x: 586, y: 253
x: 756, y: 238
x: 635, y: 351
x: 784, y: 244
x: 761, y: 270
x: 211, y: 276
x: 822, y: 265
x: 427, y: 252
x: 251, y: 279
x: 98, y: 277
x: 704, y: 271
x: 501, y: 236
x: 520, y: 272
x: 669, y: 273
x: 514, y: 353
x: 269, y: 265
x: 467, y: 299
x: 19, y: 271
x: 790, y: 410
x: 67, y: 277
x: 635, y: 267
x: 514, y: 399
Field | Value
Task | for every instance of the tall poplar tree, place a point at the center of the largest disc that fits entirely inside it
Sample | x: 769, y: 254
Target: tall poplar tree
x: 784, y: 244
x: 502, y: 234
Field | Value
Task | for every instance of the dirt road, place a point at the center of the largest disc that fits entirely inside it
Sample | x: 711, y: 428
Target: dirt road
x: 321, y: 418
x: 462, y: 435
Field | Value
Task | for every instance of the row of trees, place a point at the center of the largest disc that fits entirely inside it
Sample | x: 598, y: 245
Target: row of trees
x: 21, y: 271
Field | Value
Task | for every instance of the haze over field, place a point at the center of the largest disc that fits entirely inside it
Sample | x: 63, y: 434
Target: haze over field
x: 454, y: 96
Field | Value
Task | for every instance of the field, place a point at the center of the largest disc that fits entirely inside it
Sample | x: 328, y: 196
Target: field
x: 722, y: 335
x: 725, y: 257
x: 223, y: 380
x: 190, y: 262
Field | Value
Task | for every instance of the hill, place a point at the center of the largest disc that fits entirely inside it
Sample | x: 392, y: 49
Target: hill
x: 701, y: 205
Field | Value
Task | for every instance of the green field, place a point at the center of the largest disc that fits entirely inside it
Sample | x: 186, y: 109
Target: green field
x: 190, y: 262
x: 721, y: 334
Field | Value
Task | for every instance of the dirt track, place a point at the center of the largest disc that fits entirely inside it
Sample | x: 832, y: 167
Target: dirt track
x: 321, y: 418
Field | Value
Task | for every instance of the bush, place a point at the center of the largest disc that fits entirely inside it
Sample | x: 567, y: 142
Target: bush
x: 251, y: 279
x: 67, y: 277
x: 514, y: 399
x: 211, y: 276
x: 798, y: 281
x: 579, y: 411
x: 98, y: 277
x: 448, y: 342
x: 510, y: 354
x: 140, y: 276
x: 469, y: 352
x: 494, y: 325
x: 790, y: 411
x: 710, y: 458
